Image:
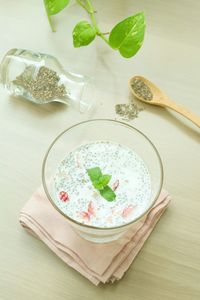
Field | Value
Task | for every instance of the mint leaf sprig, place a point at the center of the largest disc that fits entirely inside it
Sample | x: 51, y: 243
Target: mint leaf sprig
x: 126, y: 37
x: 100, y: 182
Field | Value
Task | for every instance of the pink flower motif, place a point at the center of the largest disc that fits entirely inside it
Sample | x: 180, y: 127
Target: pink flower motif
x: 128, y: 210
x: 90, y: 212
x: 64, y: 196
x: 115, y: 185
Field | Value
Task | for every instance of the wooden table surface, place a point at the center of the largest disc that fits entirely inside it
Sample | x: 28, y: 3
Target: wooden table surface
x: 168, y: 267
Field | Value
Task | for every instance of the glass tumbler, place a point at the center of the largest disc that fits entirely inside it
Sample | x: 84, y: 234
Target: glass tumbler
x: 102, y: 130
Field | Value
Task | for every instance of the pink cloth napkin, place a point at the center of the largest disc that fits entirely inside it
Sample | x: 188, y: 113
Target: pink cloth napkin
x: 97, y: 262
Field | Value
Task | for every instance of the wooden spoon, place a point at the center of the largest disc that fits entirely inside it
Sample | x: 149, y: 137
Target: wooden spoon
x: 146, y: 91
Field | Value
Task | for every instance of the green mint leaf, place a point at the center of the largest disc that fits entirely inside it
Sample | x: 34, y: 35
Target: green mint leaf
x: 83, y: 34
x: 55, y: 6
x: 98, y: 185
x: 104, y: 179
x: 94, y: 174
x: 108, y: 193
x: 128, y: 35
x: 100, y: 182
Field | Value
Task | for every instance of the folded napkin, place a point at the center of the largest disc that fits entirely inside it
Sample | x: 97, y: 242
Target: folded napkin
x: 97, y: 262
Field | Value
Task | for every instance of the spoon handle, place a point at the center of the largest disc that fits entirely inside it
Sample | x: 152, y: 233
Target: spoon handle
x: 183, y: 111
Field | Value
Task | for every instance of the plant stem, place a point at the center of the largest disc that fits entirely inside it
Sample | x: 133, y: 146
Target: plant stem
x: 81, y: 4
x: 90, y: 10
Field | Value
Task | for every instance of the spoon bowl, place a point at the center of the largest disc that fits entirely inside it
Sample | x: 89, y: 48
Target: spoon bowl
x: 146, y: 91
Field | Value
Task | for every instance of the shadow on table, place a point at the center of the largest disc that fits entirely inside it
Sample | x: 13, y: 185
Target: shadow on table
x: 41, y: 109
x: 171, y: 117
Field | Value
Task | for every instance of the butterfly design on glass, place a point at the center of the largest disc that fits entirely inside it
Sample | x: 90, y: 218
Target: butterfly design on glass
x: 128, y: 210
x: 90, y: 212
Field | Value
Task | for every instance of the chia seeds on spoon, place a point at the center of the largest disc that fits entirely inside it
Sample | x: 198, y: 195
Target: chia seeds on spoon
x: 141, y: 89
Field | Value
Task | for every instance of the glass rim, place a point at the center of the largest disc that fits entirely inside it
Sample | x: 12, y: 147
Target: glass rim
x: 90, y: 226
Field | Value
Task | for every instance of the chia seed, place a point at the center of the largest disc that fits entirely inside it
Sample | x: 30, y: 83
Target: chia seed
x: 127, y: 111
x: 43, y: 85
x: 141, y: 89
x: 125, y: 166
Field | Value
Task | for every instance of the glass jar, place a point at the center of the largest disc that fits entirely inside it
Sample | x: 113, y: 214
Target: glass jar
x: 40, y: 78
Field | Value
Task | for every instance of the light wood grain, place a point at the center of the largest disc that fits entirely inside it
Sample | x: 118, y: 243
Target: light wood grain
x: 168, y: 267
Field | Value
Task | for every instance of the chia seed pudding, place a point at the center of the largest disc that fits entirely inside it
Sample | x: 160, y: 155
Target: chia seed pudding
x: 77, y: 198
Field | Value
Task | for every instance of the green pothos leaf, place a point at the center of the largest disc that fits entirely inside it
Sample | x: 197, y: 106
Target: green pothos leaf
x: 55, y: 6
x: 128, y: 35
x: 83, y: 34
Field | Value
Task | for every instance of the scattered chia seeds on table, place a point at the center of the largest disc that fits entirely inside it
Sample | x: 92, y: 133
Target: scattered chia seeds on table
x: 44, y: 85
x: 127, y: 111
x: 141, y: 89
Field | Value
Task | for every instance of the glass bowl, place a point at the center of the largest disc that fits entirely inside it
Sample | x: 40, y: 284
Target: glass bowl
x: 102, y: 130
